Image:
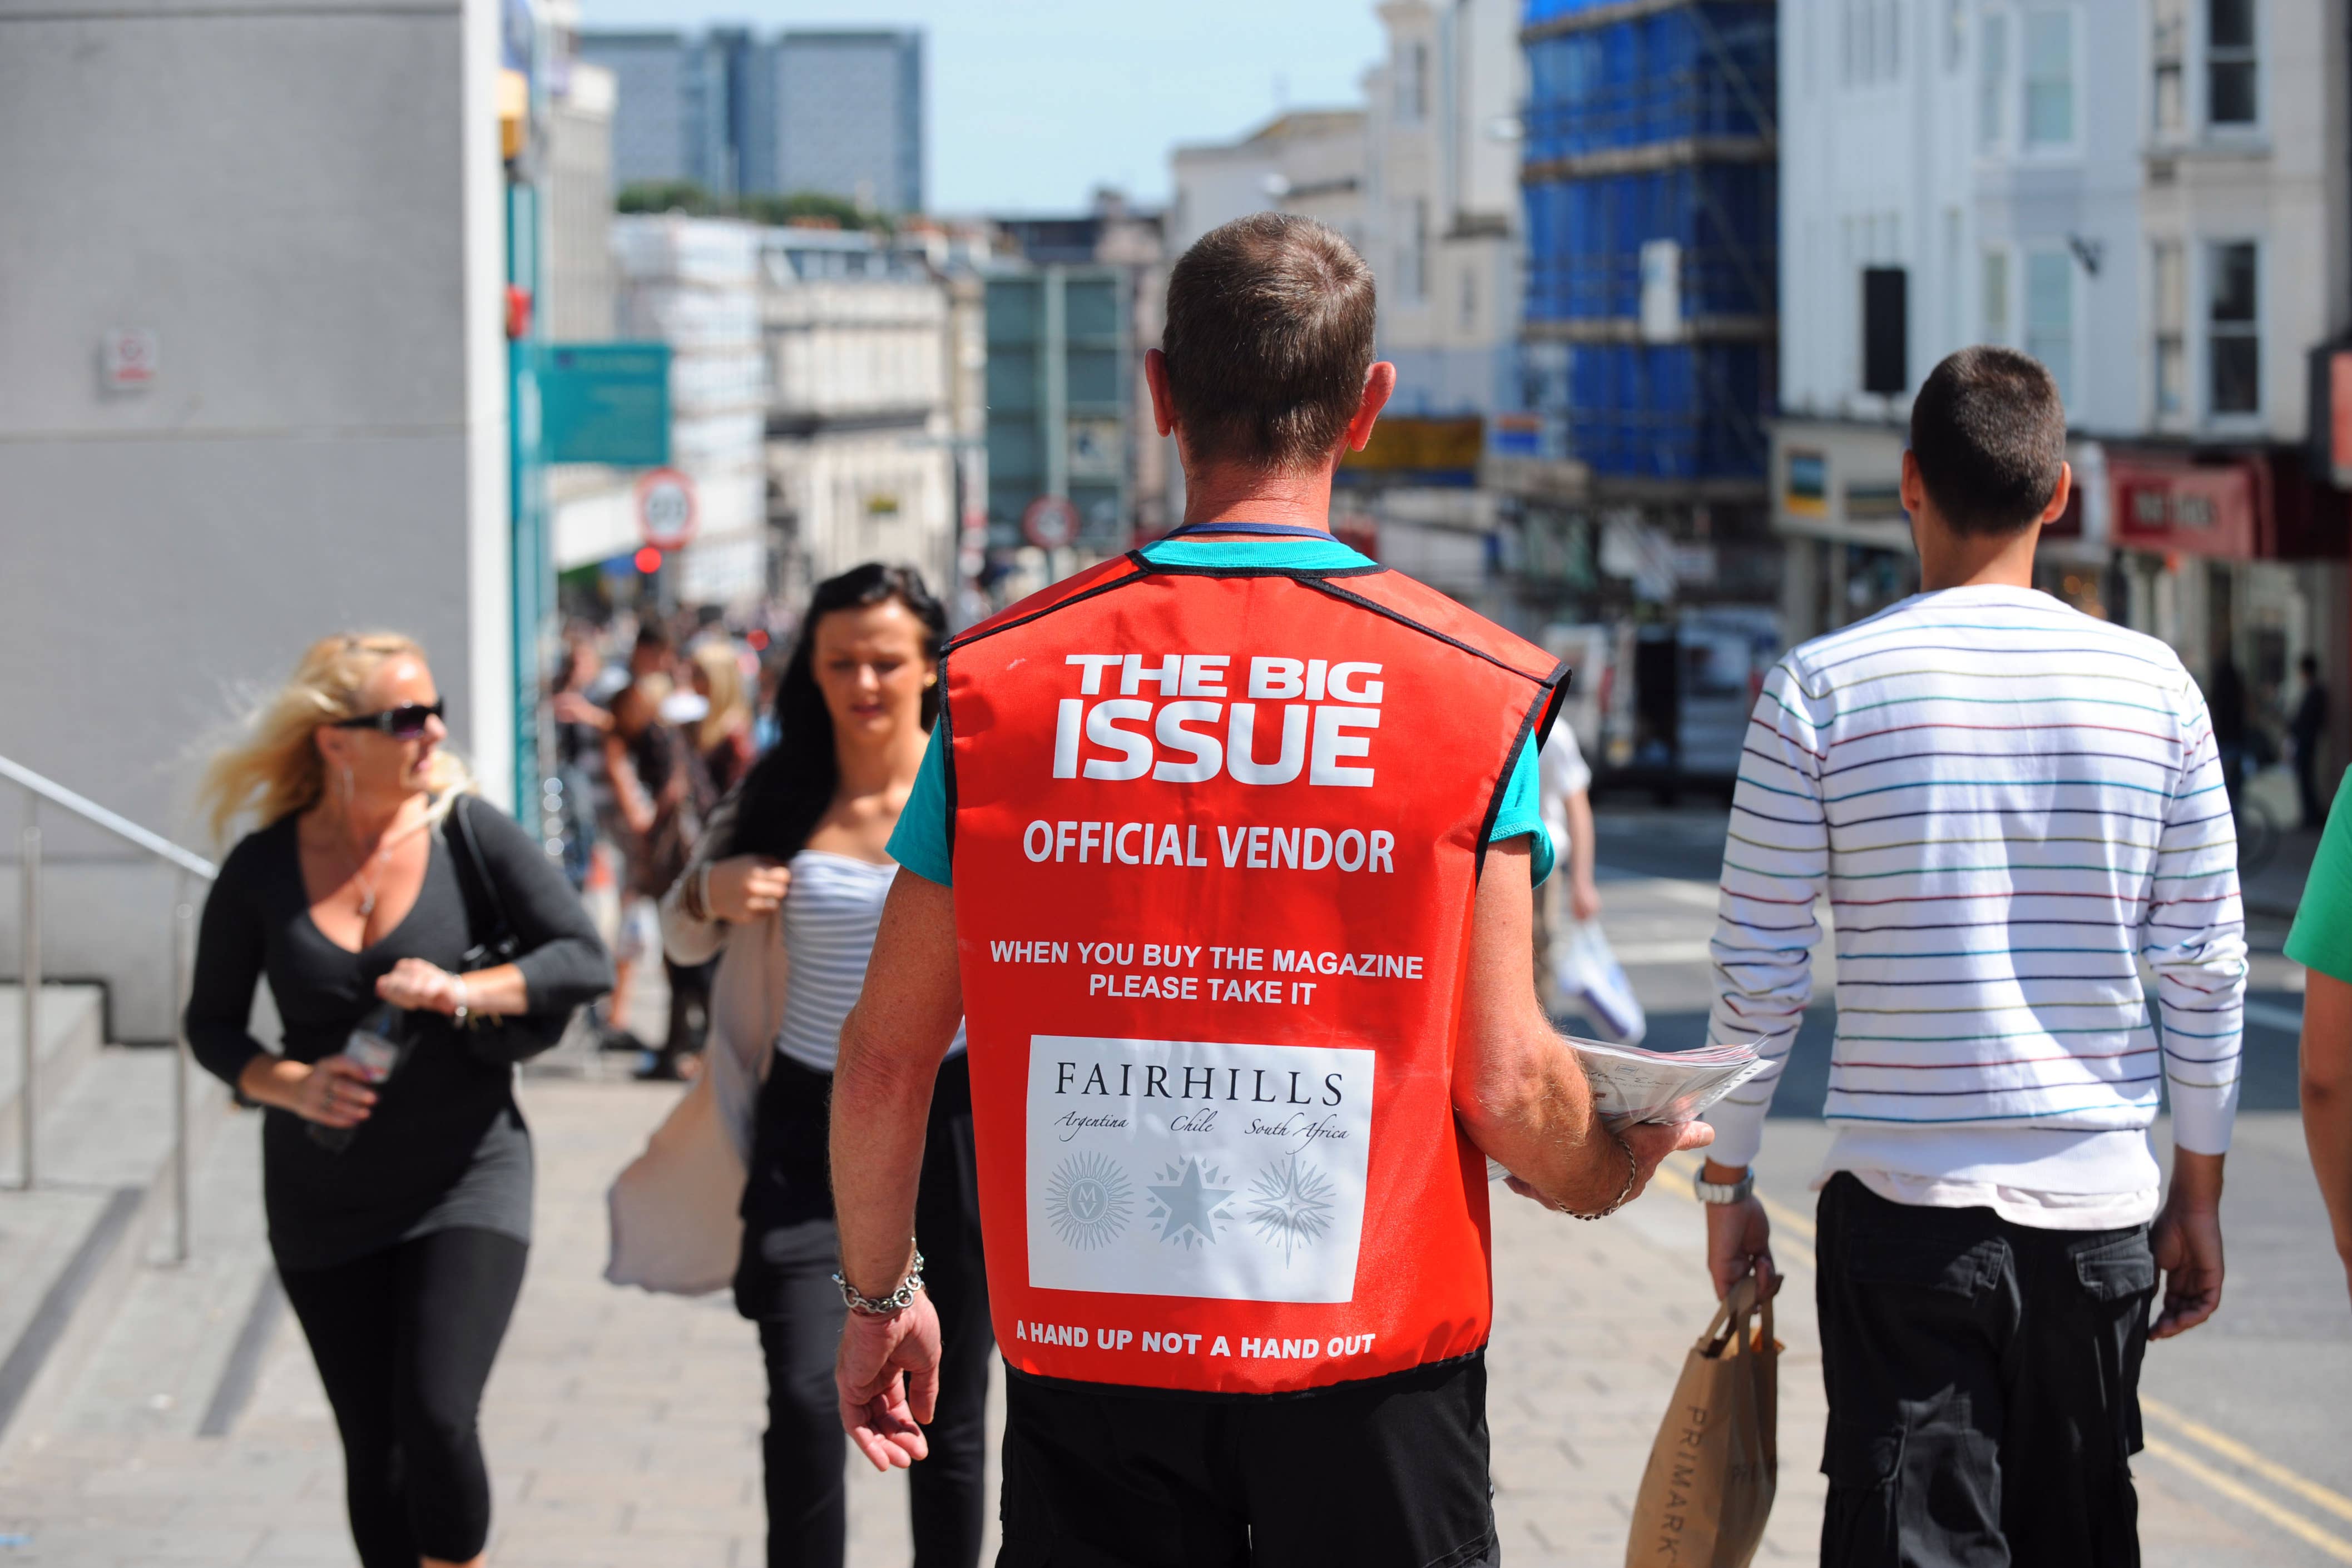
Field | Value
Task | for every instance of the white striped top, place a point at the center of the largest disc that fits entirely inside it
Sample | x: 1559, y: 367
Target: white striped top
x: 831, y: 915
x: 2006, y: 803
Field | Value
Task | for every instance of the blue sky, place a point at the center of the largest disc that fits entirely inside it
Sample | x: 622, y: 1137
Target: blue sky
x: 1034, y: 102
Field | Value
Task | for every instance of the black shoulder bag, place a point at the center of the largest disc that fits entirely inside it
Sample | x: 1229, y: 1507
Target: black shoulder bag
x: 502, y: 1040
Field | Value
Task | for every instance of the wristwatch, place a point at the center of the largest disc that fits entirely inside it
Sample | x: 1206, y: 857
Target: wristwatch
x: 1707, y: 1191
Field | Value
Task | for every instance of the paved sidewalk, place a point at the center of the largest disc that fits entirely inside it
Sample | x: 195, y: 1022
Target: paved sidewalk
x: 624, y: 1428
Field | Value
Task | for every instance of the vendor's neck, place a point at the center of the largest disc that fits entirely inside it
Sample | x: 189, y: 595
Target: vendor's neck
x: 1950, y: 559
x: 1225, y: 493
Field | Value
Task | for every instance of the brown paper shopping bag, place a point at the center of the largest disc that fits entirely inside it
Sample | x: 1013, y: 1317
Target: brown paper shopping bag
x: 1708, y: 1487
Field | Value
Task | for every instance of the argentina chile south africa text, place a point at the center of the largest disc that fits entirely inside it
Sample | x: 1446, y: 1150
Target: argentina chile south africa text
x: 1216, y: 839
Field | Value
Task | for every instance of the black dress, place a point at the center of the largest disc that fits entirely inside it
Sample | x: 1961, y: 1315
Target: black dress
x: 445, y: 1146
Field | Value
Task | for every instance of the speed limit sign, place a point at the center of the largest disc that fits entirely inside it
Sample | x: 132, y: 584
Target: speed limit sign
x: 666, y: 510
x: 1050, y: 522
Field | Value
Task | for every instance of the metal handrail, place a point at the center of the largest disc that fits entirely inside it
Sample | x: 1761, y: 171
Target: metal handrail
x: 188, y: 863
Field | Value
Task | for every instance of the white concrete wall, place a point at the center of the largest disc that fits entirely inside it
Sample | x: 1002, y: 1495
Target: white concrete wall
x: 304, y: 205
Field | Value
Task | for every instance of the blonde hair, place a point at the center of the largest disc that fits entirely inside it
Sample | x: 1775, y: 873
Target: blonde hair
x: 273, y: 768
x: 720, y: 667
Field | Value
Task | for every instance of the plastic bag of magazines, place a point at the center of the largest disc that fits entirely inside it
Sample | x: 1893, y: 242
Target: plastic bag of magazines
x: 1591, y: 981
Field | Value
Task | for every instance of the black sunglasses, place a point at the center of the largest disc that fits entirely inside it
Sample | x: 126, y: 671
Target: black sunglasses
x: 406, y: 722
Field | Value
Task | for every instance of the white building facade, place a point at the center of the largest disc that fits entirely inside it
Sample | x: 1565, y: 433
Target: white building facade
x: 314, y: 281
x: 2150, y: 200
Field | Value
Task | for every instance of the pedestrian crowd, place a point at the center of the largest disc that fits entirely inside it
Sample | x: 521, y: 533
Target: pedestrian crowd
x: 1222, y: 1209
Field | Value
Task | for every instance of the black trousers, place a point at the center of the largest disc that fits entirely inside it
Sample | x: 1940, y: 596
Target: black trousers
x: 1983, y: 1386
x: 404, y: 1340
x: 791, y: 1250
x: 1388, y: 1473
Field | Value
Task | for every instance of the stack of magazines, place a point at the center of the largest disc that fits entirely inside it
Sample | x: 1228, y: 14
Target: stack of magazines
x: 1630, y: 1084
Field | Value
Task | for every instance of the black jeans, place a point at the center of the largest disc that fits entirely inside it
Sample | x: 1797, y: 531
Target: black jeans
x: 1983, y: 1386
x: 1389, y: 1471
x: 784, y: 1282
x: 404, y: 1340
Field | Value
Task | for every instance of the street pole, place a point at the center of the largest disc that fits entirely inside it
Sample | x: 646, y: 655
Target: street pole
x: 28, y: 938
x: 182, y: 916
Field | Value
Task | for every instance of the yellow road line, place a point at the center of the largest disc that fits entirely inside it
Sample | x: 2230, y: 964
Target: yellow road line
x: 2244, y: 1457
x: 1790, y: 1220
x: 2237, y: 1491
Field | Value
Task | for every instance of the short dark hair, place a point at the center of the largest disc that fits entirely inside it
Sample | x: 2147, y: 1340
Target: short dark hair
x: 1268, y: 336
x: 1990, y: 434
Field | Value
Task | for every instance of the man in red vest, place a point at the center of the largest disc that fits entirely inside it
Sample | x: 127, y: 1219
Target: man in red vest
x: 1225, y: 852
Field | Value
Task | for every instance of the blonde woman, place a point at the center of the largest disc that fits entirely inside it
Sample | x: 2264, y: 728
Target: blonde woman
x: 398, y: 1188
x: 722, y: 737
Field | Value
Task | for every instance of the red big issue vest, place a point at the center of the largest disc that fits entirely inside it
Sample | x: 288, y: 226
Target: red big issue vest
x: 1217, y: 834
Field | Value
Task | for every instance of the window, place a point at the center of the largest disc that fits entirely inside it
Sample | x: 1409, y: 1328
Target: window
x: 1996, y: 297
x: 1890, y: 40
x: 1956, y: 33
x: 1992, y: 77
x: 2234, y: 345
x: 1469, y: 297
x: 2230, y: 82
x: 1412, y: 249
x: 2168, y: 283
x: 2050, y: 315
x: 2049, y: 78
x: 1948, y: 285
x: 1412, y: 83
x: 2169, y: 105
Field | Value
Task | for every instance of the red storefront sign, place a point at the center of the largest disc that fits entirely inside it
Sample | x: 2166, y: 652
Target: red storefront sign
x: 2209, y: 509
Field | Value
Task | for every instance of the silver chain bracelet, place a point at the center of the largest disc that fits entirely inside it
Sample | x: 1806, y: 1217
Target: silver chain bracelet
x: 897, y: 1300
x: 1633, y: 1172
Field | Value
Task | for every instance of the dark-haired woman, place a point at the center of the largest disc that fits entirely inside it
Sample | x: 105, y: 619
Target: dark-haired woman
x: 803, y: 847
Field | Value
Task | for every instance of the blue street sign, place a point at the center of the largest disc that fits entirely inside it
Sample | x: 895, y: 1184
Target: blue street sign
x: 605, y: 402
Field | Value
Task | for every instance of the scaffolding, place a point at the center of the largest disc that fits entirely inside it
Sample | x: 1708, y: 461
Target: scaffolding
x: 1650, y: 177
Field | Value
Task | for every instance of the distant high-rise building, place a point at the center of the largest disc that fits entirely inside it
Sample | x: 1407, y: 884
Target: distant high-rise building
x: 848, y: 115
x: 836, y: 112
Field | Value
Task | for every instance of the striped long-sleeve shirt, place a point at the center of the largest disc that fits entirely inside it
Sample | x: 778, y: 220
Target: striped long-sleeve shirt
x: 2006, y: 804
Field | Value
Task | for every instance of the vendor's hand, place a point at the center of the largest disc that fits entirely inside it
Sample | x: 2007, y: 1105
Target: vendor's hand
x: 1648, y: 1142
x: 887, y: 1376
x: 1583, y: 899
x: 418, y: 986
x: 1739, y: 1243
x: 746, y: 887
x: 333, y: 1091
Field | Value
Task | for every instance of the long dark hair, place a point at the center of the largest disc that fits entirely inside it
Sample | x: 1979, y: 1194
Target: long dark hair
x: 789, y: 788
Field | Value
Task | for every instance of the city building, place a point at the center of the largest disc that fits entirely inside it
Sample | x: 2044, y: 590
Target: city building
x: 1650, y: 325
x: 849, y: 117
x: 1114, y: 233
x: 2148, y: 200
x: 695, y: 284
x: 837, y: 112
x: 256, y: 380
x: 861, y: 456
x: 1442, y: 203
x: 669, y: 108
x: 1305, y: 161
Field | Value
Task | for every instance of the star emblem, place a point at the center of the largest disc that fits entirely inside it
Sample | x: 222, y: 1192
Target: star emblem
x: 1191, y: 1204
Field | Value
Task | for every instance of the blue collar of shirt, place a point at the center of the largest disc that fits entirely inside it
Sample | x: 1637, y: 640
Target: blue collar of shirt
x: 1280, y: 554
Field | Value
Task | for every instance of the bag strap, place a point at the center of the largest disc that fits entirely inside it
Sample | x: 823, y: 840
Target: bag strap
x: 474, y: 880
x: 1728, y: 1326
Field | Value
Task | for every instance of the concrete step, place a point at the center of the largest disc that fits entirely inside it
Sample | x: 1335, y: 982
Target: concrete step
x: 72, y: 1021
x: 72, y: 1250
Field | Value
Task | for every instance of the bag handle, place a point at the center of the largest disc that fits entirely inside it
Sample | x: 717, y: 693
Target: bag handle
x: 1729, y: 1327
x: 474, y: 880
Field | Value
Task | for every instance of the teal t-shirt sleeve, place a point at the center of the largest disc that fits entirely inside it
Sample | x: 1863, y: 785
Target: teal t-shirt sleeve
x: 1522, y: 811
x: 2321, y: 937
x: 919, y: 841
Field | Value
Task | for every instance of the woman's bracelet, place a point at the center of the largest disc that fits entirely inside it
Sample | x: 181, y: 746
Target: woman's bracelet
x: 463, y: 1011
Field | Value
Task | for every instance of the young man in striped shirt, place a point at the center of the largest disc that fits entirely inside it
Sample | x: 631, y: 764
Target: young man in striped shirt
x: 2007, y: 804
